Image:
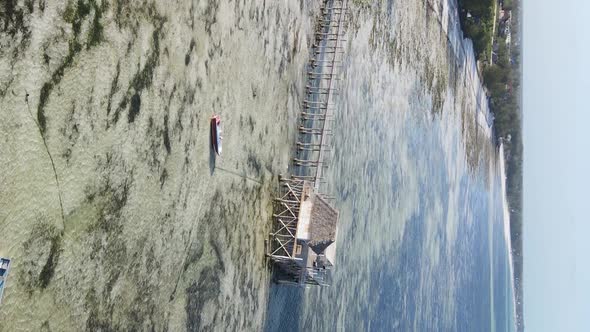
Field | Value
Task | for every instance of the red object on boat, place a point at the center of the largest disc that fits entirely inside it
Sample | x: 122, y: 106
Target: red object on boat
x: 216, y: 133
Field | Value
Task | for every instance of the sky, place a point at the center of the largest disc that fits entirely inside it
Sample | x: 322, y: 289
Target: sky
x: 556, y: 51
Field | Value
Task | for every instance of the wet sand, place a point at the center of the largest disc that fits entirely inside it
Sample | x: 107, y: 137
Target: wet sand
x: 114, y: 209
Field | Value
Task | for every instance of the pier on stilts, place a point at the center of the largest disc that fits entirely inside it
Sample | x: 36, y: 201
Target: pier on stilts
x: 302, y: 243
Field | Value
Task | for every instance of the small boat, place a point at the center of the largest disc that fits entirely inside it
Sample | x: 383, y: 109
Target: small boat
x: 216, y: 134
x: 4, y: 267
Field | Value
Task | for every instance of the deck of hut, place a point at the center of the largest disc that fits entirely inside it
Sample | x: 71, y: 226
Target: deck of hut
x: 305, y: 225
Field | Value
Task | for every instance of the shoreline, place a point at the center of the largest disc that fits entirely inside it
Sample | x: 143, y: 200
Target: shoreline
x: 506, y: 218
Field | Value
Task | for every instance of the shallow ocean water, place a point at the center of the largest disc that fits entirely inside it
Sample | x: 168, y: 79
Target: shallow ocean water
x: 419, y: 184
x: 114, y: 209
x: 117, y: 214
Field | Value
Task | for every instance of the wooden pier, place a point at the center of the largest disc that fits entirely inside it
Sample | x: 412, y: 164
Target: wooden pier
x: 317, y: 115
x: 303, y: 240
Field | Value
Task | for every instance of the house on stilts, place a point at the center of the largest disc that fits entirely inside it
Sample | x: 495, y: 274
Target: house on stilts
x: 303, y: 243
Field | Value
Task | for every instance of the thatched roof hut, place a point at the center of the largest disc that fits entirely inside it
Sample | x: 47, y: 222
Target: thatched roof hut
x: 304, y: 235
x: 323, y: 224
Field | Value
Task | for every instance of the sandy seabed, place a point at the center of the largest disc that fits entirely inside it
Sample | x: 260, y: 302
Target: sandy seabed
x: 115, y: 211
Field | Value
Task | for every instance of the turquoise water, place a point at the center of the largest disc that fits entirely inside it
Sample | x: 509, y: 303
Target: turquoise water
x: 418, y: 181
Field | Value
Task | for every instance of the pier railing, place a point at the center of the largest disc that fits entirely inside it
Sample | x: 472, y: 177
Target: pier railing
x: 315, y: 131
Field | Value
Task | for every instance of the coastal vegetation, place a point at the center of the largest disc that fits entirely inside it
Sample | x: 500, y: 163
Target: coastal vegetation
x: 499, y: 57
x: 477, y: 22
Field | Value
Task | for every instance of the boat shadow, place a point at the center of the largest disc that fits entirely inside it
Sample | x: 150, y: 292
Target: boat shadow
x: 212, y: 156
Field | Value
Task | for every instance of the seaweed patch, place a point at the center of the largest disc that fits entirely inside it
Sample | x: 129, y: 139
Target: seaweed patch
x: 12, y: 17
x: 42, y: 250
x: 75, y: 14
x: 135, y: 107
x: 49, y: 268
x: 144, y: 77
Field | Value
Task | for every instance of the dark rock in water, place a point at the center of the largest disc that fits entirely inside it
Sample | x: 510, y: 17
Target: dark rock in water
x: 135, y: 106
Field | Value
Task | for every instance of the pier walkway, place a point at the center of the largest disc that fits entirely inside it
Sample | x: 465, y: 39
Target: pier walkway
x: 315, y: 130
x: 303, y: 238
